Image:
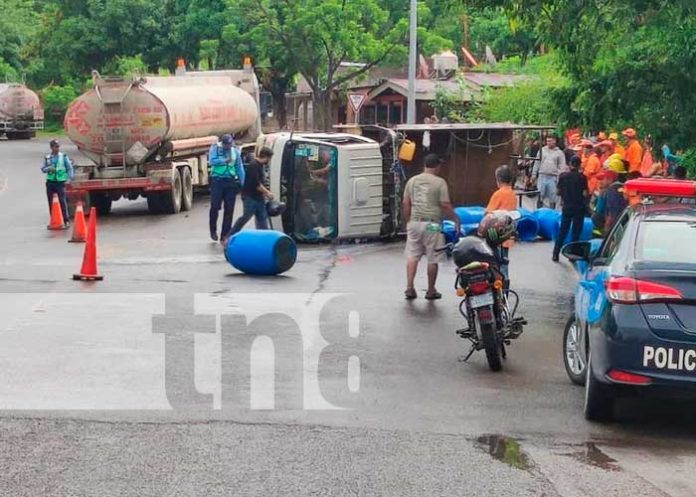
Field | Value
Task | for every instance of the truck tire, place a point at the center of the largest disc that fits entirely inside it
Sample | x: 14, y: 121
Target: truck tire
x: 154, y: 203
x: 492, y: 346
x: 172, y: 198
x: 20, y: 135
x: 102, y: 202
x: 187, y: 189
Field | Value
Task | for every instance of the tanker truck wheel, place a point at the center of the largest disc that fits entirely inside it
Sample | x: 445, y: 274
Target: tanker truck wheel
x: 102, y: 202
x: 172, y: 198
x: 187, y: 189
x: 155, y: 204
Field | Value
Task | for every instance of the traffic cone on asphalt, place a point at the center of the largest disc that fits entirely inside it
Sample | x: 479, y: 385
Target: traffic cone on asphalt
x: 57, y: 222
x: 79, y: 234
x: 89, y: 261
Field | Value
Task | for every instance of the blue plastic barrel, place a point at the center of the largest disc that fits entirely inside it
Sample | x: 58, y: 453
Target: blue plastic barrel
x: 262, y: 252
x: 548, y: 220
x: 449, y: 231
x: 585, y: 234
x: 470, y: 214
x: 469, y: 229
x: 527, y: 226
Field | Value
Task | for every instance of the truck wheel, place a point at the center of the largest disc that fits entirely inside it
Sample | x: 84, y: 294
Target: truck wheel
x: 187, y: 189
x: 154, y: 203
x: 11, y: 135
x: 172, y: 198
x: 102, y: 202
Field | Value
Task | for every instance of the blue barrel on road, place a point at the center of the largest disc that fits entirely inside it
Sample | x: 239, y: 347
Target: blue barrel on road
x: 261, y: 252
x: 470, y: 214
x: 548, y: 220
x: 449, y: 231
x: 527, y: 226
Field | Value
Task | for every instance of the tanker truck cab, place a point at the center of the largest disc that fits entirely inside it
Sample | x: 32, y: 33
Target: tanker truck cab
x: 331, y: 183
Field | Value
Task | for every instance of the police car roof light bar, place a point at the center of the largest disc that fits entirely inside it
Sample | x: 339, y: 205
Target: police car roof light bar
x: 661, y: 187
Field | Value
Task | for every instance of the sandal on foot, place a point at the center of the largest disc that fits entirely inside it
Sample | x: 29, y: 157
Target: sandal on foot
x: 433, y: 296
x: 410, y: 294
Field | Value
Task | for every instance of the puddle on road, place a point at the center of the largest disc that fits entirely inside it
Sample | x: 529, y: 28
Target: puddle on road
x: 592, y: 455
x: 505, y: 449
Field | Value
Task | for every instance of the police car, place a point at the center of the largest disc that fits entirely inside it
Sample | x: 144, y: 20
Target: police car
x: 633, y: 329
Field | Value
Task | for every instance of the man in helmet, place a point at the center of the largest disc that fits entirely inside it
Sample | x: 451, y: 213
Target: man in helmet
x: 426, y: 202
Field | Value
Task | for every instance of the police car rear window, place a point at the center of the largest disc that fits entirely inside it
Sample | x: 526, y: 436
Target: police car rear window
x: 669, y: 242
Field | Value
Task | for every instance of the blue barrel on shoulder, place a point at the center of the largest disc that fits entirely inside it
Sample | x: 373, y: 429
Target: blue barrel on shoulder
x: 261, y: 252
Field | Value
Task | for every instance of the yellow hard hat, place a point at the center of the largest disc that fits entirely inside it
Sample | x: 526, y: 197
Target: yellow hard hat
x: 614, y: 163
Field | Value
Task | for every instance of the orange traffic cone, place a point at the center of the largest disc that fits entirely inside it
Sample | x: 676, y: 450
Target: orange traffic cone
x: 89, y: 261
x: 79, y: 234
x: 57, y: 222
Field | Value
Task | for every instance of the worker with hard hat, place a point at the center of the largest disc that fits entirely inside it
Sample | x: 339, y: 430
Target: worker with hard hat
x: 592, y: 165
x: 634, y: 151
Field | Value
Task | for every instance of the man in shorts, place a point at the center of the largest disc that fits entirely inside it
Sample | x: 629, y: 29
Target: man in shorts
x: 426, y: 202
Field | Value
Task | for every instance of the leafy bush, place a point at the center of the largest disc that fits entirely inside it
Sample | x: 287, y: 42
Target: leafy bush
x: 689, y: 161
x: 56, y: 100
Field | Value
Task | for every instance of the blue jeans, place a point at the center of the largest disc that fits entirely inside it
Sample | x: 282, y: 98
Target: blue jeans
x: 222, y: 190
x: 547, y: 186
x: 253, y: 207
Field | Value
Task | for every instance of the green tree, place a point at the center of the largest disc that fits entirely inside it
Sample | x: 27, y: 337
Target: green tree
x: 318, y: 36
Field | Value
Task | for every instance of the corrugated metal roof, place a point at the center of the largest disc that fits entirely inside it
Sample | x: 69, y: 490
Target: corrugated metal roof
x: 468, y: 126
x: 426, y: 89
x: 495, y: 80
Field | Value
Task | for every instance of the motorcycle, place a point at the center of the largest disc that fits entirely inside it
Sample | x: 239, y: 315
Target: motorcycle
x: 491, y: 320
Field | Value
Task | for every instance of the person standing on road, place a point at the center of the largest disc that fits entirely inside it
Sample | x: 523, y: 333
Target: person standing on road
x: 549, y: 165
x: 255, y: 193
x: 226, y: 178
x: 634, y: 151
x: 426, y: 199
x: 572, y: 188
x: 59, y: 170
x: 592, y: 166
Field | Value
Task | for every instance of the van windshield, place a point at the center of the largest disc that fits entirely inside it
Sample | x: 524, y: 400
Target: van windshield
x: 314, y: 207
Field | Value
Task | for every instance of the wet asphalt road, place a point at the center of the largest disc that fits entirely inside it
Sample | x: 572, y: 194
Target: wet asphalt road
x: 107, y: 390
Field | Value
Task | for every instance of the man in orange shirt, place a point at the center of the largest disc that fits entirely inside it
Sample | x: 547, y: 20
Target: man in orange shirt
x: 592, y: 167
x: 634, y: 152
x: 503, y: 199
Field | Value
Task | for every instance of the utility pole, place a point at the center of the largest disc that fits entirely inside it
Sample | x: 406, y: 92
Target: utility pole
x: 412, y: 56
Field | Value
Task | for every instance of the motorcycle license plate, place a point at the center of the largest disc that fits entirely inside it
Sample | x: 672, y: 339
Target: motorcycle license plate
x: 483, y: 300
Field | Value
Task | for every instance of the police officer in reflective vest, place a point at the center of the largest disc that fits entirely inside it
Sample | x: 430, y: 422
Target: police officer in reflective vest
x: 59, y: 170
x: 226, y: 179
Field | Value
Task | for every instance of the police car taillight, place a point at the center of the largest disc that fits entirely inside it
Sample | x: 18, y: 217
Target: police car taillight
x: 661, y: 187
x: 622, y: 290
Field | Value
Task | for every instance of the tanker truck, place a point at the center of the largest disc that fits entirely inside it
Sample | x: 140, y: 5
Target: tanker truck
x: 149, y: 136
x: 21, y: 113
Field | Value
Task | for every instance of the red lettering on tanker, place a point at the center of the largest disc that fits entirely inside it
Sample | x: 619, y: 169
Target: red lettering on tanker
x: 76, y: 117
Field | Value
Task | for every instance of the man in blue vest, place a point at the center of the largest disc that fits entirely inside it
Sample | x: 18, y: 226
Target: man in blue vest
x: 59, y: 170
x: 226, y: 179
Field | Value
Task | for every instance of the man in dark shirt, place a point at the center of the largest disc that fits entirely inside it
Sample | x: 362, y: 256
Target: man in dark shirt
x: 616, y: 203
x: 255, y: 193
x: 572, y: 188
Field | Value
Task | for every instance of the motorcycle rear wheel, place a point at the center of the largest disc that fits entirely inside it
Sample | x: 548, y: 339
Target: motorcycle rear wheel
x: 491, y: 344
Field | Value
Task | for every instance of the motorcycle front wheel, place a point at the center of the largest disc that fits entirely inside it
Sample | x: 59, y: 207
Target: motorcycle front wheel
x: 491, y: 344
